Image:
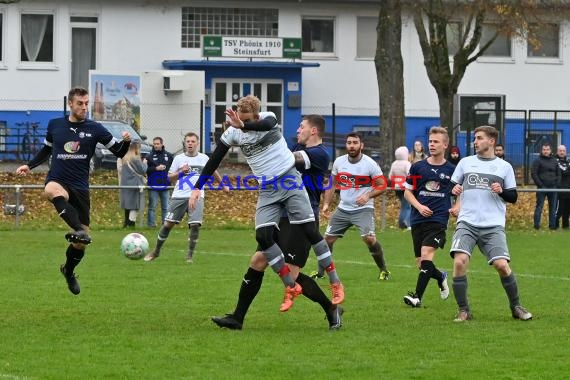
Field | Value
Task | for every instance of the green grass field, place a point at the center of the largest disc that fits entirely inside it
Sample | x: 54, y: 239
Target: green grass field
x: 137, y: 320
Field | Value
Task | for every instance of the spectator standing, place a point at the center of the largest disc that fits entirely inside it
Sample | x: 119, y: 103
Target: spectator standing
x: 500, y: 152
x: 159, y: 161
x: 454, y: 155
x: 399, y: 170
x: 546, y: 175
x: 563, y: 197
x: 418, y: 153
x: 132, y: 174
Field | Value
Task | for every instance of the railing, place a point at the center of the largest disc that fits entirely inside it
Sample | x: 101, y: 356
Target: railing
x: 18, y: 193
x: 383, y: 210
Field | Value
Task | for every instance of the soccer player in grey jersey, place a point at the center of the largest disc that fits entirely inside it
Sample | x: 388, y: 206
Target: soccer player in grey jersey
x: 190, y: 163
x: 270, y: 159
x: 312, y: 161
x: 360, y: 180
x: 484, y: 183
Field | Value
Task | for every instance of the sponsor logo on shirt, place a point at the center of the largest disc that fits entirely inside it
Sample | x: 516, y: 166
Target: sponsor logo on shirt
x: 71, y: 146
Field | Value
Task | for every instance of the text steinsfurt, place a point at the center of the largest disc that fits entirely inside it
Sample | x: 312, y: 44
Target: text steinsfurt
x: 344, y: 181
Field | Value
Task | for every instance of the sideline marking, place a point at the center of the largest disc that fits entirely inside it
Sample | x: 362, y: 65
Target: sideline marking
x: 352, y: 262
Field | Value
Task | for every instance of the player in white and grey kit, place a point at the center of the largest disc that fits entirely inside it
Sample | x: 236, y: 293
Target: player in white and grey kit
x: 273, y: 163
x: 485, y: 183
x: 184, y: 170
x: 359, y: 179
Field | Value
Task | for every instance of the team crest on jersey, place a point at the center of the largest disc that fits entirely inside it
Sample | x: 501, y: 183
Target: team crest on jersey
x: 71, y: 146
x: 433, y: 186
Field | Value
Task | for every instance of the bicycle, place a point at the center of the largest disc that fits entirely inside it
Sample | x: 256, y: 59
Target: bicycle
x: 30, y: 144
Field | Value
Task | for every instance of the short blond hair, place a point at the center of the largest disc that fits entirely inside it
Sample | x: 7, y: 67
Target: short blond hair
x: 440, y: 130
x: 249, y: 104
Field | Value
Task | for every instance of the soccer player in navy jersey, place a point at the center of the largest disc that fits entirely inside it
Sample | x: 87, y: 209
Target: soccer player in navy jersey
x: 71, y: 141
x: 428, y: 189
x: 312, y: 161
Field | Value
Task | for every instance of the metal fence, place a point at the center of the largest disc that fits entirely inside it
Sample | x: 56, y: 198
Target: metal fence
x: 23, y: 125
x: 522, y: 133
x: 14, y: 201
x: 16, y: 204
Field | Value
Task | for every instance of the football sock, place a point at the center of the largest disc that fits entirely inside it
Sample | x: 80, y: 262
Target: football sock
x: 73, y: 257
x: 321, y: 270
x: 67, y: 212
x: 313, y: 291
x: 378, y: 256
x: 162, y: 236
x: 460, y: 292
x: 276, y: 260
x: 510, y: 285
x: 193, y: 237
x: 437, y: 275
x: 325, y: 261
x: 426, y: 270
x: 250, y: 286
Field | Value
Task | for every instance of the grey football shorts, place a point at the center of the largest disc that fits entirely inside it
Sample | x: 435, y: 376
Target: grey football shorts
x: 284, y: 193
x: 342, y: 220
x: 178, y: 207
x: 492, y: 241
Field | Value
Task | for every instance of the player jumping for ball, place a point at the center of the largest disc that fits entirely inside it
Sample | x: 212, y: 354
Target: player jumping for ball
x: 268, y: 156
x: 71, y: 141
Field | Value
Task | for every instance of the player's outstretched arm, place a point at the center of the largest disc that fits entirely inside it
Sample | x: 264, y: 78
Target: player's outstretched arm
x: 41, y: 157
x: 212, y: 164
x: 120, y: 148
x: 23, y: 170
x: 262, y: 125
x: 209, y: 169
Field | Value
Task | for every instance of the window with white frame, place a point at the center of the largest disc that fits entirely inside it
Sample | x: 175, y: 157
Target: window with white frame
x: 501, y: 47
x: 366, y: 37
x: 544, y: 41
x: 36, y: 32
x: 318, y: 35
x: 453, y: 32
x: 83, y: 48
x: 254, y: 22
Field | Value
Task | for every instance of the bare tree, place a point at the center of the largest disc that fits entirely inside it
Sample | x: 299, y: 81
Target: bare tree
x: 432, y: 19
x: 390, y: 75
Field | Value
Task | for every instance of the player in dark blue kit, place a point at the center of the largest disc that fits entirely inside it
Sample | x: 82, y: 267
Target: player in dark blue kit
x: 428, y: 189
x: 71, y: 141
x: 312, y: 160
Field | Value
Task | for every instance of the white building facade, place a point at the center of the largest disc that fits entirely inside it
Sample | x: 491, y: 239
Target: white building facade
x: 49, y: 46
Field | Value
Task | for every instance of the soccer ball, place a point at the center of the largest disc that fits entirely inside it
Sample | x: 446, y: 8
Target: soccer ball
x: 134, y: 246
